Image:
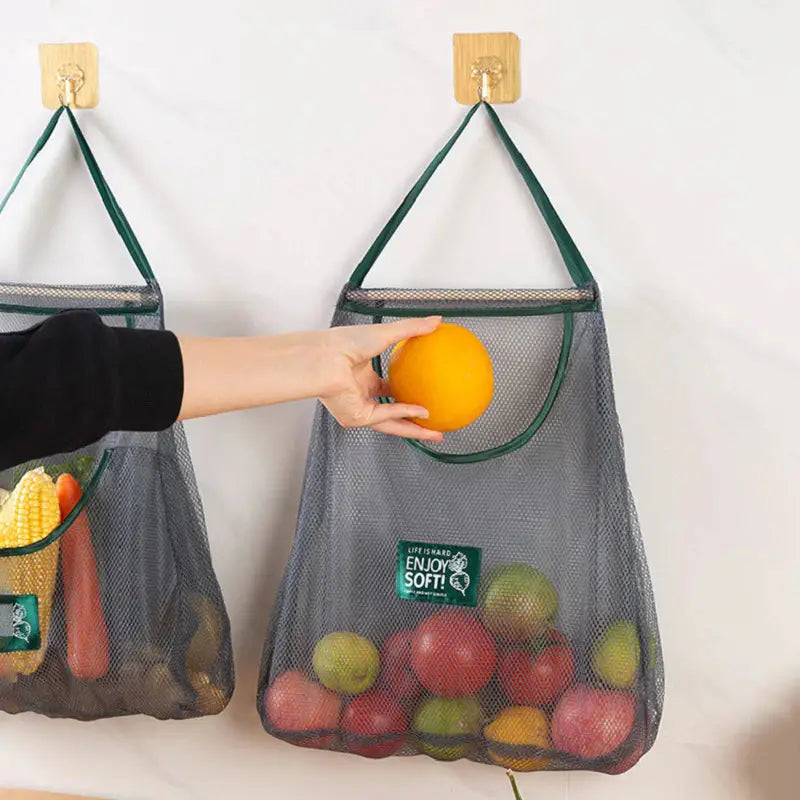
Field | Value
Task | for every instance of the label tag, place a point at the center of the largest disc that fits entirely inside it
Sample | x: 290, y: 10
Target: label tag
x: 437, y: 573
x: 19, y: 623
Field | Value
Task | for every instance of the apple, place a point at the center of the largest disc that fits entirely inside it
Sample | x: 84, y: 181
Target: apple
x: 295, y: 704
x: 536, y: 676
x: 453, y: 654
x: 397, y: 674
x: 590, y: 723
x: 518, y: 602
x: 456, y: 717
x: 346, y: 662
x: 616, y: 655
x: 629, y: 760
x: 555, y: 635
x: 374, y: 714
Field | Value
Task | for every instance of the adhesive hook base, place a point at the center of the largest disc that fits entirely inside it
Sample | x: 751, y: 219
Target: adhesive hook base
x: 69, y: 75
x: 486, y: 67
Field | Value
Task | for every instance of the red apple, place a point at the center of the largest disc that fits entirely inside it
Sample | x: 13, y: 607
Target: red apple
x: 629, y: 761
x: 397, y: 674
x: 536, y: 676
x: 295, y: 704
x: 590, y: 723
x: 374, y: 714
x: 557, y: 636
x: 453, y: 654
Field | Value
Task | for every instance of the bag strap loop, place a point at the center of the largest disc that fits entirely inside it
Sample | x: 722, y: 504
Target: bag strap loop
x: 577, y: 267
x: 109, y: 201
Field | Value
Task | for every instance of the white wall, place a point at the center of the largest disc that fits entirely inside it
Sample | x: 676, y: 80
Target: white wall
x: 258, y: 147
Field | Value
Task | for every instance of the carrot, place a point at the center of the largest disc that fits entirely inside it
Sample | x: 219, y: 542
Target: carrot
x: 87, y: 634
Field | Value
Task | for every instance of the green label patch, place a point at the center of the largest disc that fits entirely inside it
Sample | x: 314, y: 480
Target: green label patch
x: 437, y: 573
x: 19, y: 623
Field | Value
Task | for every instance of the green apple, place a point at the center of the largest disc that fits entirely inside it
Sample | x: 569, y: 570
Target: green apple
x: 447, y: 716
x: 616, y: 655
x: 518, y: 602
x: 346, y: 662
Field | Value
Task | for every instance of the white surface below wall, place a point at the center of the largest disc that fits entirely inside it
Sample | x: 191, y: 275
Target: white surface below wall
x: 258, y: 147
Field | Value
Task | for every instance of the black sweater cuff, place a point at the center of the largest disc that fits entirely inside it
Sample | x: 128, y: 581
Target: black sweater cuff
x: 149, y: 388
x: 70, y: 380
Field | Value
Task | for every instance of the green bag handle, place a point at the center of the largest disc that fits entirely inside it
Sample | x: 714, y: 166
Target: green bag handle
x: 109, y: 201
x: 578, y: 269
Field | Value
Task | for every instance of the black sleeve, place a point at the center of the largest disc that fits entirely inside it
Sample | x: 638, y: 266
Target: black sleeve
x: 70, y: 380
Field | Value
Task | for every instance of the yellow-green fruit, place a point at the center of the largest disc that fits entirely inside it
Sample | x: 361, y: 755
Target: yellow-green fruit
x: 447, y: 727
x: 346, y: 662
x: 518, y: 602
x: 616, y: 655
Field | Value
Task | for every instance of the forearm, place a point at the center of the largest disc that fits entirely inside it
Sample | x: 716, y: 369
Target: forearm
x: 221, y: 375
x: 70, y: 380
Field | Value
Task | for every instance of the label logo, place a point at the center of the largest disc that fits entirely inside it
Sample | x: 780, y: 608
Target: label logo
x: 459, y: 579
x: 437, y: 573
x: 19, y: 623
x: 20, y: 629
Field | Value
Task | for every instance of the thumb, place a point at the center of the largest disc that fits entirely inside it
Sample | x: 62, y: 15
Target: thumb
x: 387, y: 334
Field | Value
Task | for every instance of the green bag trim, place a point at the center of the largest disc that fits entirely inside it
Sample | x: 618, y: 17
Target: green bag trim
x: 577, y: 267
x: 119, y: 311
x: 460, y: 311
x: 526, y: 435
x: 57, y: 533
x: 109, y: 201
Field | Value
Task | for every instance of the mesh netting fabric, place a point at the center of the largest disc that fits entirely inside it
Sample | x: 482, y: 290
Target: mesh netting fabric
x: 169, y: 648
x: 581, y: 686
x: 130, y: 615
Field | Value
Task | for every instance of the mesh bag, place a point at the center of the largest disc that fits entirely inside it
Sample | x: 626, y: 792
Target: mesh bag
x: 116, y: 610
x: 487, y: 597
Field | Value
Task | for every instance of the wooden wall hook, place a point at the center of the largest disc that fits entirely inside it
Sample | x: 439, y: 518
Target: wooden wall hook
x: 69, y: 75
x: 486, y: 67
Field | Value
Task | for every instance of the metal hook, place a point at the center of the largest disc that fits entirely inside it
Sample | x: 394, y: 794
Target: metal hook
x: 70, y: 78
x: 483, y: 87
x: 68, y: 89
x: 488, y: 71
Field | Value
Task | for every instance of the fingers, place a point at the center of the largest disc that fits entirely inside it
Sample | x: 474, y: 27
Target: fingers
x: 406, y: 429
x: 395, y: 419
x: 387, y: 334
x: 383, y: 412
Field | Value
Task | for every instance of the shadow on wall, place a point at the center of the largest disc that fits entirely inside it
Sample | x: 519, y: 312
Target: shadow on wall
x: 769, y: 757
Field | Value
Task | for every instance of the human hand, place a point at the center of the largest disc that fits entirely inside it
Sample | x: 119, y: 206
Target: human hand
x: 333, y: 365
x: 352, y: 385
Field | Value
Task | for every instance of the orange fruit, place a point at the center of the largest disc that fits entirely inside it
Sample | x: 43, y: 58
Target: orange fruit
x: 519, y: 725
x: 448, y: 372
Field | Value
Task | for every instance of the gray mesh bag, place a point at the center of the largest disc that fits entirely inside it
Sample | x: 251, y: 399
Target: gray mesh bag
x: 487, y: 597
x: 111, y: 608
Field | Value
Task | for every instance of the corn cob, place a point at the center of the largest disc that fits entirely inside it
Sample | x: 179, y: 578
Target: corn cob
x: 29, y: 514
